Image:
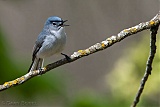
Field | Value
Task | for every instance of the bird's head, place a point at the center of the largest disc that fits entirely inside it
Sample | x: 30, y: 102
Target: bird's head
x: 55, y: 23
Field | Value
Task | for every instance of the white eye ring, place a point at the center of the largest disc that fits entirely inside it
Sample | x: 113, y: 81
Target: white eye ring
x: 54, y: 24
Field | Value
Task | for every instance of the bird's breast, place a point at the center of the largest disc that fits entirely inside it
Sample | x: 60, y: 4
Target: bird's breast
x: 53, y: 43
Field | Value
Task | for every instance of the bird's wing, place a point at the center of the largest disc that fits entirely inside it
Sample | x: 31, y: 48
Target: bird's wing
x: 38, y: 45
x: 36, y: 48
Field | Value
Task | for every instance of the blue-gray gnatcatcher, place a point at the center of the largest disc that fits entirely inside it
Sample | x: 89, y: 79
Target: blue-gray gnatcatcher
x: 50, y: 41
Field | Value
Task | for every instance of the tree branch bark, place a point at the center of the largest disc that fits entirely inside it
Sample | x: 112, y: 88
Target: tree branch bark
x: 81, y: 53
x: 148, y: 70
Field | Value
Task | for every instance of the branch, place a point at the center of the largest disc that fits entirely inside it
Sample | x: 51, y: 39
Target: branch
x: 148, y: 70
x: 81, y: 53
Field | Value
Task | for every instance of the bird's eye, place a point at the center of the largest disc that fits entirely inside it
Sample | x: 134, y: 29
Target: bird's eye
x: 54, y: 24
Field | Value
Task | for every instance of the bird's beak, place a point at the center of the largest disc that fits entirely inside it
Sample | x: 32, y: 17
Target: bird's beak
x: 64, y: 24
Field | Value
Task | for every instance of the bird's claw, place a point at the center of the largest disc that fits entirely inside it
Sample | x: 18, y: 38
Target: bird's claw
x: 41, y: 71
x: 67, y: 57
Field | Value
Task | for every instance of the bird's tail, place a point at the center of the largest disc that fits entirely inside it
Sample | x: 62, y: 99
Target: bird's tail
x: 36, y: 64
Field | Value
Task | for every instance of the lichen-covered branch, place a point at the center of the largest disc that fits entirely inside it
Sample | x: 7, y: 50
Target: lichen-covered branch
x: 148, y: 70
x: 81, y: 53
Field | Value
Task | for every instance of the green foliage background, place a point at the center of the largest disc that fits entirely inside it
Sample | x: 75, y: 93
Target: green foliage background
x: 125, y: 77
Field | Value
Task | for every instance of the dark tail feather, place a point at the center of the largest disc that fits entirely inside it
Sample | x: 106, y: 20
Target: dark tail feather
x: 30, y: 66
x: 36, y: 64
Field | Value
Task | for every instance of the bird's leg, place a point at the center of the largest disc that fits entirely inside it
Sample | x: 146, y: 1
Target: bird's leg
x: 67, y: 57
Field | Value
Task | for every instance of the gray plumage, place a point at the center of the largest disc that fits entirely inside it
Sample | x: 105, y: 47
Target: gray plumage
x: 50, y: 41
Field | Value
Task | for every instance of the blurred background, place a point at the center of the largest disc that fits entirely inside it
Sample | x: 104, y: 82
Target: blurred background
x: 109, y: 78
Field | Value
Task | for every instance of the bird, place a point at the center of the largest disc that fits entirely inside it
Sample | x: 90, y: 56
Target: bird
x: 50, y: 41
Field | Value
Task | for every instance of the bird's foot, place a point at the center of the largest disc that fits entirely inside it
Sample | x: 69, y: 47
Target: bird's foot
x: 41, y: 71
x: 67, y: 57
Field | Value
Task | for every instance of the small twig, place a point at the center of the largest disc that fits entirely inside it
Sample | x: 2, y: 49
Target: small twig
x: 148, y: 65
x: 81, y: 53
